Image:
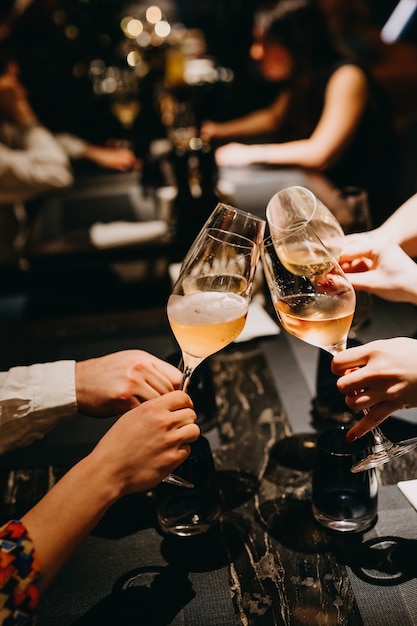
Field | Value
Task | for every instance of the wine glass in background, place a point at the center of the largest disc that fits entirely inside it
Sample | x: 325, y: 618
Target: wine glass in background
x: 315, y: 302
x: 351, y: 206
x: 179, y: 120
x: 125, y: 104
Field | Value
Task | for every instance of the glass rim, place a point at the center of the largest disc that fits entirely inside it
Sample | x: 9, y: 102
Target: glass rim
x: 254, y: 217
x: 301, y: 221
x: 246, y: 242
x: 360, y: 445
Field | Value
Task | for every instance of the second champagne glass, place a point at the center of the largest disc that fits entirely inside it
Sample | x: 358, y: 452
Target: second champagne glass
x: 294, y: 206
x: 315, y: 302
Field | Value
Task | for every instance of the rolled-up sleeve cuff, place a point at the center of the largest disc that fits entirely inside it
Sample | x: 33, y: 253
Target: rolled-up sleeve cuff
x: 33, y: 400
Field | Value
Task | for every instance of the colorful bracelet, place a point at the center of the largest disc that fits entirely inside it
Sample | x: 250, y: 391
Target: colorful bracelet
x: 19, y: 576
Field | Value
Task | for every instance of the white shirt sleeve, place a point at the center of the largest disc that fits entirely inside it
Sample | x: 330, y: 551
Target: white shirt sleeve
x: 34, y: 399
x: 73, y: 146
x: 35, y: 165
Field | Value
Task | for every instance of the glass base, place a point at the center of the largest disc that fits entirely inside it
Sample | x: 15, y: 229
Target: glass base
x: 380, y: 457
x: 343, y: 525
x: 188, y: 530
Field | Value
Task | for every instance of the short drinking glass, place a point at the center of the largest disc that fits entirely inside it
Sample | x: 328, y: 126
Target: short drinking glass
x: 342, y: 500
x: 189, y: 512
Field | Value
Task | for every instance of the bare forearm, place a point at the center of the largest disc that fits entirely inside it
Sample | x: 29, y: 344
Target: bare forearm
x: 301, y: 153
x: 401, y: 226
x: 257, y: 123
x: 73, y: 509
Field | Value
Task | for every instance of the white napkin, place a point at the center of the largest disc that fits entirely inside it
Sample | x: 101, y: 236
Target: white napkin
x: 258, y: 324
x: 125, y: 233
x: 409, y: 489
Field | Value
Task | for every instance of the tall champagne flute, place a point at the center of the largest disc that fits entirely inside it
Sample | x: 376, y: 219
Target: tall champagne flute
x: 209, y: 302
x: 229, y: 218
x: 315, y: 302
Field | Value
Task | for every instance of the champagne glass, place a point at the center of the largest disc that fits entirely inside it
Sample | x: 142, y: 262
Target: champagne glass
x: 229, y: 218
x: 315, y: 302
x: 209, y: 302
x: 294, y: 206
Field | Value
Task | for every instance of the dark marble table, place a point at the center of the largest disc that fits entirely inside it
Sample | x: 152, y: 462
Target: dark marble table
x: 267, y: 562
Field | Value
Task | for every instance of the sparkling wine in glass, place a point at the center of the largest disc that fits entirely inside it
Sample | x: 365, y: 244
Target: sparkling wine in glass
x: 315, y: 302
x: 209, y: 302
x: 312, y: 297
x: 294, y: 206
x: 238, y: 230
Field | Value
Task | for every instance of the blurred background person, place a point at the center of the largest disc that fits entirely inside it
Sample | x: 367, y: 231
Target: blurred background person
x: 329, y: 115
x: 33, y: 160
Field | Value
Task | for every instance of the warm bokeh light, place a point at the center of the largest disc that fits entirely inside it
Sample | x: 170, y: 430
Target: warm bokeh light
x: 133, y: 58
x: 144, y: 39
x: 134, y: 28
x: 153, y: 14
x: 71, y: 31
x: 162, y: 28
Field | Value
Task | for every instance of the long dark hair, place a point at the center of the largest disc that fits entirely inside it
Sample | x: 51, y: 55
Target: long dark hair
x: 301, y: 27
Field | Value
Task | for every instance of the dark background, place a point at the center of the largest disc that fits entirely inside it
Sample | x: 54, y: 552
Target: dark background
x: 55, y: 40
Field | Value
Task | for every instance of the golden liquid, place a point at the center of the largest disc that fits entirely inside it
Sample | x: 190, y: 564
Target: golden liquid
x: 126, y: 112
x: 304, y: 261
x: 318, y: 319
x: 204, y: 322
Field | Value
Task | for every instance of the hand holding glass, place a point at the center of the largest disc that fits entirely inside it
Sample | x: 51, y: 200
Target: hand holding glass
x: 209, y: 303
x: 315, y: 302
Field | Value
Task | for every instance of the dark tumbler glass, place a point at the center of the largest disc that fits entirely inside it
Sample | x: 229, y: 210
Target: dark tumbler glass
x: 186, y: 512
x: 343, y: 500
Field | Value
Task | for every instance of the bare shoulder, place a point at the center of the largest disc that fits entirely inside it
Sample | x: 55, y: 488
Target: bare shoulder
x: 348, y: 74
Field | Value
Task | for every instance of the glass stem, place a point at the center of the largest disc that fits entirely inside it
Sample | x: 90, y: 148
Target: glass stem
x: 186, y: 377
x: 380, y: 441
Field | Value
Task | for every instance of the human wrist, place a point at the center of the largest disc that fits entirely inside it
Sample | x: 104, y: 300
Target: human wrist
x: 100, y: 470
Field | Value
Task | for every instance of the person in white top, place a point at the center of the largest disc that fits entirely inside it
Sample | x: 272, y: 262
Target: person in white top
x: 381, y: 376
x: 34, y: 161
x: 35, y: 398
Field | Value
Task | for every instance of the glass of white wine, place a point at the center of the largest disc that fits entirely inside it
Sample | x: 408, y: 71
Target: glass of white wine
x: 315, y: 302
x: 209, y: 302
x: 249, y: 230
x: 294, y: 206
